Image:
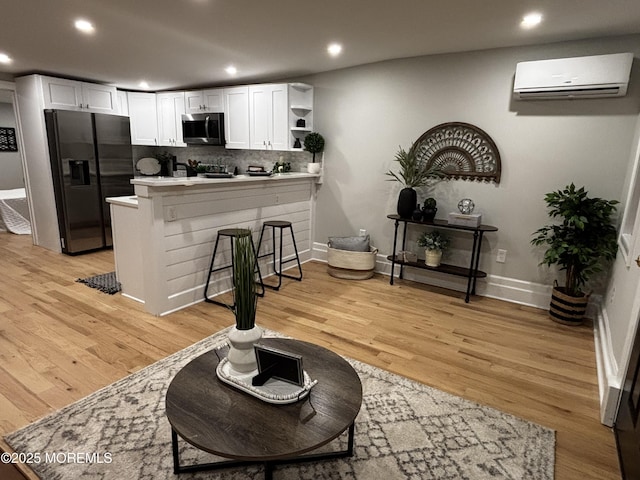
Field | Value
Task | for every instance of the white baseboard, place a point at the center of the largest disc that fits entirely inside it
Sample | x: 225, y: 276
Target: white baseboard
x: 609, y: 375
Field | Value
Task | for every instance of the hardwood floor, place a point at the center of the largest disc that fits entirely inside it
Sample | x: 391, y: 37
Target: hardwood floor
x: 60, y: 340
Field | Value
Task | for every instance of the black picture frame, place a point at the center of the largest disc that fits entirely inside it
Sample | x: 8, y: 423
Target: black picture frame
x: 8, y: 141
x: 274, y: 363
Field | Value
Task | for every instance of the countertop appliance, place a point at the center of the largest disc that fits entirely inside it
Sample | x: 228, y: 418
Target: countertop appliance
x: 91, y: 159
x: 203, y: 128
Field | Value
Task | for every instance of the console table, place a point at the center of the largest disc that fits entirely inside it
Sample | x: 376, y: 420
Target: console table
x: 472, y: 273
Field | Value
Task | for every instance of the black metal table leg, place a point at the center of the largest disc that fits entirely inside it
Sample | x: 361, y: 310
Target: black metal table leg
x: 268, y: 466
x: 477, y: 265
x: 404, y: 241
x: 393, y: 258
x: 472, y: 272
x: 268, y: 471
x: 176, y: 452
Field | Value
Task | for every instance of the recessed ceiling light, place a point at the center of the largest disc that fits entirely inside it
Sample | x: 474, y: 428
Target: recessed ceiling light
x: 334, y: 49
x: 531, y: 20
x: 144, y: 84
x: 231, y: 70
x: 4, y: 58
x: 85, y: 26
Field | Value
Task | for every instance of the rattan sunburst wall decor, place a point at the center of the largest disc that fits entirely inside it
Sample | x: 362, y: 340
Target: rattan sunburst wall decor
x: 461, y: 151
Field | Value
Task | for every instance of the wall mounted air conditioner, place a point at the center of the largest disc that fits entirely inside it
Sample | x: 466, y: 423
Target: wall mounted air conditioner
x: 579, y: 77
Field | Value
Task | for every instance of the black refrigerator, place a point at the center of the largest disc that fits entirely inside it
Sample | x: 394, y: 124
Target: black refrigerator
x: 91, y: 159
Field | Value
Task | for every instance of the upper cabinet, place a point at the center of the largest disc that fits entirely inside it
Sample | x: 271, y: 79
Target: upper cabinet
x: 170, y: 110
x: 300, y: 113
x: 275, y: 116
x: 268, y: 117
x: 236, y: 117
x: 143, y: 118
x: 123, y: 104
x: 63, y: 94
x: 205, y: 101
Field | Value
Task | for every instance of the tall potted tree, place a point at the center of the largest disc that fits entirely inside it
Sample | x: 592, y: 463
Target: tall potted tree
x: 584, y: 239
x: 413, y: 173
x: 314, y: 143
x: 245, y: 333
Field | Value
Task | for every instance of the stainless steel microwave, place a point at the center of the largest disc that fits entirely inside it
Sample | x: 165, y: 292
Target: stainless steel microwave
x: 203, y: 128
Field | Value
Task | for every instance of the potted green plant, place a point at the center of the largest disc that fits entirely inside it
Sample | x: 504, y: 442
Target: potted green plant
x: 413, y: 173
x: 434, y: 243
x: 314, y: 143
x: 245, y: 333
x: 579, y: 244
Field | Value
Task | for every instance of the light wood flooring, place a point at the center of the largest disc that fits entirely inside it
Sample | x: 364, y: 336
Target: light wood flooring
x: 60, y: 341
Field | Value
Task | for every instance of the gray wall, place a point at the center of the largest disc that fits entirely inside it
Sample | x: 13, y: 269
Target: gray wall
x: 11, y: 175
x: 367, y: 112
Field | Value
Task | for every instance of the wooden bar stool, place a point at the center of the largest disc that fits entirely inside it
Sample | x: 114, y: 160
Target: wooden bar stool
x: 280, y: 224
x: 233, y: 234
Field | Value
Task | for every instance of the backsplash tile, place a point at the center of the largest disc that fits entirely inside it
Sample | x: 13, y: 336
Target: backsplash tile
x: 215, y: 155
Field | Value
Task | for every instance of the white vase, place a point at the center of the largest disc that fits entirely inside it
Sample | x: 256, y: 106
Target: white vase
x: 433, y: 257
x: 313, y: 168
x: 241, y: 356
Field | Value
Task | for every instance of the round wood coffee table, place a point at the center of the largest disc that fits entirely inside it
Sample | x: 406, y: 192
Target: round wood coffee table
x: 219, y: 419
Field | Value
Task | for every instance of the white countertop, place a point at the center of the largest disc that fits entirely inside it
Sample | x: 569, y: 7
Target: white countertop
x: 190, y: 181
x: 128, y: 201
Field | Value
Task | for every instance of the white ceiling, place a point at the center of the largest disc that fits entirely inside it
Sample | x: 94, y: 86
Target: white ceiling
x: 176, y: 44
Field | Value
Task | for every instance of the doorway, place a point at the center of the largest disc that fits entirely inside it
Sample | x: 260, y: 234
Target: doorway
x: 14, y: 191
x: 627, y: 427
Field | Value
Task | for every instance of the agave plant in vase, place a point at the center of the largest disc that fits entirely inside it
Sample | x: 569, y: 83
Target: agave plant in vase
x: 245, y: 334
x: 413, y: 173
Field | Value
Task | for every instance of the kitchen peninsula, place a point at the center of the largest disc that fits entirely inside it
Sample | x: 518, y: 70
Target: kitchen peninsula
x: 164, y: 235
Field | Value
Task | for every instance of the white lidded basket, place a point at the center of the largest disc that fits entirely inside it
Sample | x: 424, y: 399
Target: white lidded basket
x: 351, y: 265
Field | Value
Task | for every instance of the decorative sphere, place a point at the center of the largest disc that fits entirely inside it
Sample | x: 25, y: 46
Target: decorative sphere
x: 466, y: 206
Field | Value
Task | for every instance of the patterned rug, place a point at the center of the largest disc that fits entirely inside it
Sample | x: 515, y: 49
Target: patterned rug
x: 405, y: 430
x: 106, y: 282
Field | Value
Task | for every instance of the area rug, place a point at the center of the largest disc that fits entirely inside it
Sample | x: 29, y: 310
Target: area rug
x: 106, y: 282
x: 405, y: 430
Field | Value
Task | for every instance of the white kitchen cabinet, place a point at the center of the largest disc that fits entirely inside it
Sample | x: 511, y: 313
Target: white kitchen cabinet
x: 268, y: 117
x: 123, y: 104
x: 170, y: 108
x: 64, y: 94
x: 236, y: 117
x: 143, y: 118
x: 204, y: 101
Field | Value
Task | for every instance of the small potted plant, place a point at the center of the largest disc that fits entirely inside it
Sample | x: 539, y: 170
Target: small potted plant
x: 584, y: 238
x: 413, y: 173
x: 201, y: 169
x: 314, y: 143
x: 434, y: 243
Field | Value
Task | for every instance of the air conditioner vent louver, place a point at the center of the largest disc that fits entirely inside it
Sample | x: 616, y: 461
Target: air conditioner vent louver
x: 571, y: 78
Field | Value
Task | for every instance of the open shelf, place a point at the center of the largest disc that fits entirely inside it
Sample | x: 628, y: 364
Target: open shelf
x: 442, y: 268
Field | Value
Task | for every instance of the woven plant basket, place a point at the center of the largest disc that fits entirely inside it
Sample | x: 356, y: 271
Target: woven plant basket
x: 351, y: 265
x: 566, y: 309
